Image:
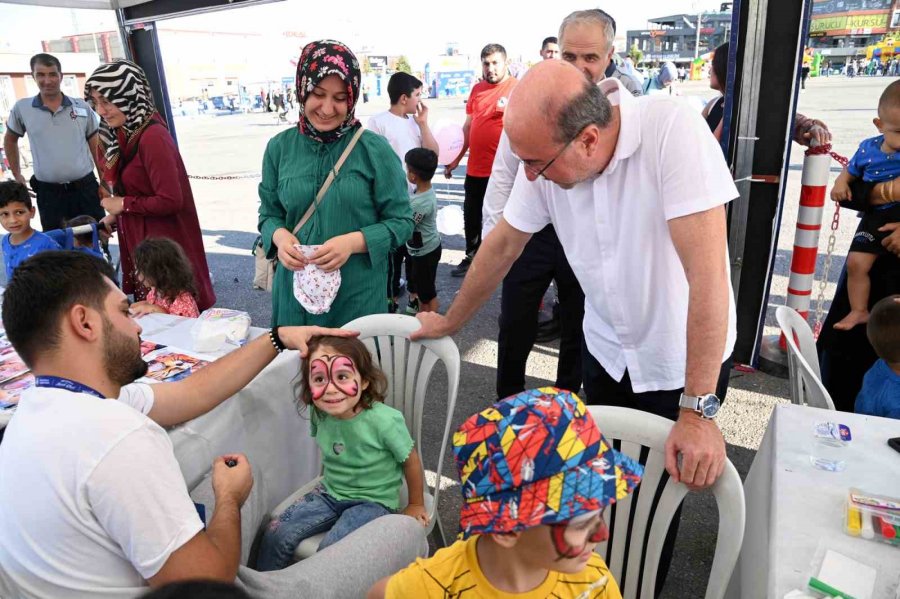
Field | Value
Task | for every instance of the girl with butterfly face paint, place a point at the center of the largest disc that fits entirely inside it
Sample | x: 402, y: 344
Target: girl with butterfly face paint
x: 366, y: 451
x: 335, y: 384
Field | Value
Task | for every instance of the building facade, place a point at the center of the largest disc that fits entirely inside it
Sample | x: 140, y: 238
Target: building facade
x: 674, y: 38
x: 842, y: 29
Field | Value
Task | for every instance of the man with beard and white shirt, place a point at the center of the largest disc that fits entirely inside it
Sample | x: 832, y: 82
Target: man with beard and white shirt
x: 94, y: 503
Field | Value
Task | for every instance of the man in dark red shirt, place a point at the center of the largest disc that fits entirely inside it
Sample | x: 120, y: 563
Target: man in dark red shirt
x: 484, y: 123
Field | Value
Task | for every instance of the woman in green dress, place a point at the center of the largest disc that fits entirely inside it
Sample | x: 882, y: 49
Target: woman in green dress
x: 364, y: 214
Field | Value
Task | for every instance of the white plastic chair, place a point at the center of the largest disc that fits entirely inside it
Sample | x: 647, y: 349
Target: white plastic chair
x: 636, y: 522
x: 408, y: 366
x: 803, y: 361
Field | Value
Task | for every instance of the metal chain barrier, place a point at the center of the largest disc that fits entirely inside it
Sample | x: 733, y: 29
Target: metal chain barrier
x: 224, y: 177
x: 832, y: 238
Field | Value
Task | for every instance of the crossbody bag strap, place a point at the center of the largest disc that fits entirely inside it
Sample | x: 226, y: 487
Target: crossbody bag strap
x: 329, y: 180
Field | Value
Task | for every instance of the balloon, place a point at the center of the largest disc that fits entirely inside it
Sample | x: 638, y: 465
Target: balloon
x: 450, y: 220
x: 450, y: 141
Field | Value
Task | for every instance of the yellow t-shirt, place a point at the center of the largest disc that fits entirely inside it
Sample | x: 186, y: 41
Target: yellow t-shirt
x: 454, y: 572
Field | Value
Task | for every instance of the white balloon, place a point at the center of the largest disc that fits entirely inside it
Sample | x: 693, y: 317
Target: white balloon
x: 450, y: 220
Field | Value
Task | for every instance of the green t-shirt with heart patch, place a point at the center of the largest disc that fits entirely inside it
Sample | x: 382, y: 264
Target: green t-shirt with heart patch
x: 363, y: 456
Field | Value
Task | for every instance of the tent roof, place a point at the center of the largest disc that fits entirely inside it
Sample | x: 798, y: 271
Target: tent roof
x: 101, y: 4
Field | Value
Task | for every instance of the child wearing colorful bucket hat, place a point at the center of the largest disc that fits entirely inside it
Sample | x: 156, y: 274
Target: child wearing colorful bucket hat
x: 536, y: 476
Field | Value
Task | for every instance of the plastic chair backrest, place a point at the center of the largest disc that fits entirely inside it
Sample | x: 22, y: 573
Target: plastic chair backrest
x: 640, y: 522
x: 408, y: 366
x: 803, y: 361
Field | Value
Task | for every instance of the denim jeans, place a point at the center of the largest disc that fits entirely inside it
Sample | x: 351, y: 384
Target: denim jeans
x: 313, y: 513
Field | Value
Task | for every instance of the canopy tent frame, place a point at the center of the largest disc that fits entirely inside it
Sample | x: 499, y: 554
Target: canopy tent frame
x: 758, y: 114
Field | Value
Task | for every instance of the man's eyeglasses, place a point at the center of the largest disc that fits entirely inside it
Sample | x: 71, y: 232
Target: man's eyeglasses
x: 529, y: 169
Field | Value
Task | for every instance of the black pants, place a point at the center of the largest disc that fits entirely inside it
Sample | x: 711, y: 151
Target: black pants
x: 542, y: 261
x: 395, y: 268
x: 601, y: 389
x: 846, y: 356
x: 422, y: 273
x: 474, y: 188
x: 60, y: 202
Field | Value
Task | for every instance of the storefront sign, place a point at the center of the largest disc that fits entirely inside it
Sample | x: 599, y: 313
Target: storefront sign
x: 827, y: 7
x: 849, y: 24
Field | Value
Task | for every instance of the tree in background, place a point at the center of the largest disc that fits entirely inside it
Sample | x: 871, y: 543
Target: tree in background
x: 403, y: 65
x: 636, y: 55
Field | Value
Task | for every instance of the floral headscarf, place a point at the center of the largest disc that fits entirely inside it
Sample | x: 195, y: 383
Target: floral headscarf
x: 317, y: 61
x: 125, y: 85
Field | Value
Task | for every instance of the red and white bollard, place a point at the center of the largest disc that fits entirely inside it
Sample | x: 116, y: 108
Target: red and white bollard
x: 814, y: 184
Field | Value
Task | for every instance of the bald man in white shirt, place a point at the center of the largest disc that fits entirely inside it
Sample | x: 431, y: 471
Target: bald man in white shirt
x: 636, y: 189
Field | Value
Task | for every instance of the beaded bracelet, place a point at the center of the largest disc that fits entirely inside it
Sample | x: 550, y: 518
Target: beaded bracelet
x: 277, y: 343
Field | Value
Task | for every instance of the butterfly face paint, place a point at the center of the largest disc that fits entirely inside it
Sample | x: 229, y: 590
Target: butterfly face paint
x: 570, y: 541
x: 337, y: 370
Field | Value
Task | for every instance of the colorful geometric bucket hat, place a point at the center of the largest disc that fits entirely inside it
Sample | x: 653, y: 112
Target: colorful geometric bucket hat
x: 536, y: 458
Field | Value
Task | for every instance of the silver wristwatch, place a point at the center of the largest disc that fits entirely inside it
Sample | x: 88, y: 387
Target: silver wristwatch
x: 705, y: 405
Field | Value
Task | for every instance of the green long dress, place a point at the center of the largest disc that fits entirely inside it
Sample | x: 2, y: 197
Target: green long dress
x: 369, y: 195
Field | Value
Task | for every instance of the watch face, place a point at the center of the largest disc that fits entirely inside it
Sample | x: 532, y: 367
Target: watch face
x: 709, y: 406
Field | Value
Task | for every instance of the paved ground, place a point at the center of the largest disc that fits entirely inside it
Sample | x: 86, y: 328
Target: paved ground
x: 234, y: 144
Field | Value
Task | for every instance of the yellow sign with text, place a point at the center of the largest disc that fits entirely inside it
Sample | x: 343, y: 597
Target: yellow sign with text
x: 826, y: 25
x: 867, y: 21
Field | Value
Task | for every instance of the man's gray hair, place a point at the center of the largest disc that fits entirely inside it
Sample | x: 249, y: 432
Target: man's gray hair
x: 590, y: 107
x: 594, y: 16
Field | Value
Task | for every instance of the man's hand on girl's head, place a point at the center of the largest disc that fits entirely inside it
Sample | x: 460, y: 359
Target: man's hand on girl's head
x: 298, y: 337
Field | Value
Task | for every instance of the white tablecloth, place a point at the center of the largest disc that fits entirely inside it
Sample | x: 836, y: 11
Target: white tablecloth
x: 793, y: 508
x: 261, y: 421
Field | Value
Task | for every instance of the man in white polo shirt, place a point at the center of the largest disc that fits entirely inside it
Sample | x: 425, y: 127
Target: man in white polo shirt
x: 636, y: 189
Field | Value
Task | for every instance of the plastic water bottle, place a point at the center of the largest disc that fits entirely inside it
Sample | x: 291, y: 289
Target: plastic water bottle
x: 829, y: 447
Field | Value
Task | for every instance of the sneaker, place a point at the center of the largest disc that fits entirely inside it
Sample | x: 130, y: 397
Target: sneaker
x: 413, y: 307
x: 392, y: 306
x: 462, y: 268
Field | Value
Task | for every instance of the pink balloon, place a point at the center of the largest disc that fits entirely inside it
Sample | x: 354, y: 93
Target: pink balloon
x: 450, y: 140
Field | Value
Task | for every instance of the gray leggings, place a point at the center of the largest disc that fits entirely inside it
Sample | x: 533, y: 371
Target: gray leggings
x: 349, y: 567
x: 344, y: 570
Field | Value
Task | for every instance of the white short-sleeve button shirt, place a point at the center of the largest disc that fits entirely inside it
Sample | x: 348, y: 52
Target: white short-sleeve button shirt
x: 614, y: 230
